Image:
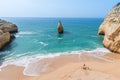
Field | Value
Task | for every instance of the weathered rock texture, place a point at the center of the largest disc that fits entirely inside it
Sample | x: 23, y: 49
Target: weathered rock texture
x: 6, y: 30
x: 111, y: 29
x: 8, y: 27
x: 60, y: 28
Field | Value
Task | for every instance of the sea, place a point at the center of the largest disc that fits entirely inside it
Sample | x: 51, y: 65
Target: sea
x: 38, y: 38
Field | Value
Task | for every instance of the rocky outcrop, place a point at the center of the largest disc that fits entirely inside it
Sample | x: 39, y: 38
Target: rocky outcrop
x: 111, y: 29
x: 5, y: 38
x: 8, y: 26
x: 60, y: 28
x: 6, y: 30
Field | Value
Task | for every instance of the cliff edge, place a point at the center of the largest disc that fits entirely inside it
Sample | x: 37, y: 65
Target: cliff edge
x: 111, y: 29
x: 6, y: 30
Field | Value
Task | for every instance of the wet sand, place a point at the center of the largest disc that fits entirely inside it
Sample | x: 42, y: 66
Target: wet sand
x: 67, y: 67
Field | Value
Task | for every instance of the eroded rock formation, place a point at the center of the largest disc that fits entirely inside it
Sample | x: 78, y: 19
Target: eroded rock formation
x: 111, y: 29
x: 8, y: 26
x: 60, y: 28
x: 6, y: 30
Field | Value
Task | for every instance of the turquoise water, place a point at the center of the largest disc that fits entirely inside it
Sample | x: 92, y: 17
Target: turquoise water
x: 39, y: 36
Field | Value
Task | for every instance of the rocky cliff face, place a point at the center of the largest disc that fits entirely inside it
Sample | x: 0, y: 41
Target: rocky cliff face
x: 6, y: 30
x: 8, y: 26
x: 111, y: 29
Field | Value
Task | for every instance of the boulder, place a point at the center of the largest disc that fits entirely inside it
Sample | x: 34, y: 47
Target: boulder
x: 111, y: 29
x: 8, y: 26
x: 60, y: 28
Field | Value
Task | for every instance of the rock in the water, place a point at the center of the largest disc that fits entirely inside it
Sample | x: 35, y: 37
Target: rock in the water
x: 8, y: 27
x: 60, y: 28
x: 6, y: 30
x: 111, y: 29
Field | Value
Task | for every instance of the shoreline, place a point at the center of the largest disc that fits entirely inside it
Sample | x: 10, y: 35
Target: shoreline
x: 44, y: 67
x: 26, y: 60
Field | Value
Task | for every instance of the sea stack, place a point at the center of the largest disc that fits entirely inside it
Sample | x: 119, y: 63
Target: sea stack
x: 6, y: 30
x: 111, y: 29
x: 60, y: 28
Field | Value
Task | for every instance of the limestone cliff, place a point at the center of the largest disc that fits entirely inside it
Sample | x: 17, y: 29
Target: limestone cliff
x: 111, y: 29
x: 8, y: 26
x: 6, y: 30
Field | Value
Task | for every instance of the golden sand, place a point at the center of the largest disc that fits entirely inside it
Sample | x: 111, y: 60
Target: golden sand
x: 69, y: 67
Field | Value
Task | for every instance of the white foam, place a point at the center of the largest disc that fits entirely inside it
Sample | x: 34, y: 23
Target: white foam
x: 18, y: 35
x: 26, y: 32
x: 21, y: 33
x: 4, y: 52
x: 26, y: 60
x: 60, y: 38
x: 99, y: 53
x: 43, y: 43
x: 100, y: 50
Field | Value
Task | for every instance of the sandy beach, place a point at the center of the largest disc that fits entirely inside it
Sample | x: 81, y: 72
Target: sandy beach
x: 68, y: 67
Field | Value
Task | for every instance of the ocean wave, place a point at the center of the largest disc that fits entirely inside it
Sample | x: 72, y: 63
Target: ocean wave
x: 25, y: 32
x: 21, y: 33
x: 18, y: 35
x: 27, y: 60
x: 4, y: 52
x: 43, y: 43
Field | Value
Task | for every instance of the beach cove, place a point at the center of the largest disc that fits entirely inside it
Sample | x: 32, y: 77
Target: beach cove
x: 76, y: 53
x: 59, y: 40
